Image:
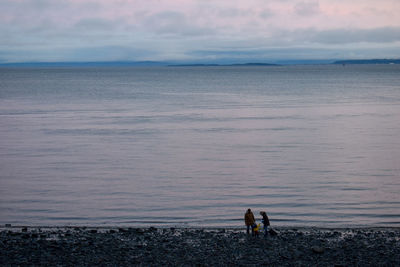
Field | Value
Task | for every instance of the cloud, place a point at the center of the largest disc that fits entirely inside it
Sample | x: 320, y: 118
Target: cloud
x: 348, y: 36
x: 107, y: 53
x: 234, y: 12
x: 81, y: 54
x: 95, y: 24
x: 294, y: 53
x: 307, y: 8
x: 174, y: 23
x: 179, y: 29
x: 266, y: 13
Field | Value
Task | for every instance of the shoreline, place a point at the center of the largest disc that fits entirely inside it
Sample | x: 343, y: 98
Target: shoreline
x: 107, y: 246
x: 180, y: 227
x: 216, y: 228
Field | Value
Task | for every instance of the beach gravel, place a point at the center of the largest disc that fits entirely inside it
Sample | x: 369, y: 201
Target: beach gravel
x: 197, y: 247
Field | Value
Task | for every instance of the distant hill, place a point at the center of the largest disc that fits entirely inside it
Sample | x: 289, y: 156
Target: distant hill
x: 254, y: 64
x: 213, y: 65
x: 194, y: 64
x: 368, y: 61
x: 124, y: 63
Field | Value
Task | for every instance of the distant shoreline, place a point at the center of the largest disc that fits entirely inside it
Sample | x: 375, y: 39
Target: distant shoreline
x: 225, y: 65
x: 368, y: 61
x: 178, y: 64
x: 211, y: 228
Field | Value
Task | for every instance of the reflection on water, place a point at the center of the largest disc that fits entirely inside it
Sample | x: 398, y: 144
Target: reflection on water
x: 311, y: 145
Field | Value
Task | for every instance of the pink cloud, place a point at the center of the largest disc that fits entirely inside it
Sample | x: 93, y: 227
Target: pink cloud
x: 238, y: 14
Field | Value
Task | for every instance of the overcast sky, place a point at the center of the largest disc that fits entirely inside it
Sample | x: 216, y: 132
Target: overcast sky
x: 191, y: 30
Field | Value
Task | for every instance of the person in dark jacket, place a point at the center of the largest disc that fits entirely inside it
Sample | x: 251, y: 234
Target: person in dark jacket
x: 249, y: 221
x: 265, y: 222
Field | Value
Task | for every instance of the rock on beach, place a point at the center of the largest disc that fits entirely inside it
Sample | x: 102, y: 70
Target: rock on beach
x: 183, y: 246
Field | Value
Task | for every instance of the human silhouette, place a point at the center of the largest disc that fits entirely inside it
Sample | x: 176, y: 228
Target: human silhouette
x: 265, y: 222
x: 249, y: 221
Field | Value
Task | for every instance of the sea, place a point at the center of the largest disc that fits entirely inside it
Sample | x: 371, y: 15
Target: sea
x: 196, y: 146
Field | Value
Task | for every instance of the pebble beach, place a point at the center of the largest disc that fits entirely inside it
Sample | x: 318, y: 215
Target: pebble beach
x: 85, y: 246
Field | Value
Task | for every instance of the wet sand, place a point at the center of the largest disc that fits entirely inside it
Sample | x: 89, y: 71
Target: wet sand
x: 85, y: 246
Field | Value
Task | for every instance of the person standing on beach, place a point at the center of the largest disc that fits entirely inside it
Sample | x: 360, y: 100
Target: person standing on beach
x: 265, y: 222
x: 249, y: 221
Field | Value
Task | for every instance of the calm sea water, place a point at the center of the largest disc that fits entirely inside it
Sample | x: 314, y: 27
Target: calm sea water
x: 197, y: 146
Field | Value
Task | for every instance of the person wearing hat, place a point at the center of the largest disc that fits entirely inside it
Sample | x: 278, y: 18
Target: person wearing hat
x: 249, y: 221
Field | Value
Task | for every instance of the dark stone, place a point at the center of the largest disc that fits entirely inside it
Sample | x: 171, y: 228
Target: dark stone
x: 8, y: 224
x: 26, y: 236
x: 139, y: 231
x: 192, y: 247
x: 93, y: 231
x: 24, y: 230
x: 318, y: 249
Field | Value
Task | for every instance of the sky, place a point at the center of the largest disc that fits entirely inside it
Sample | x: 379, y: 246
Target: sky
x: 198, y: 30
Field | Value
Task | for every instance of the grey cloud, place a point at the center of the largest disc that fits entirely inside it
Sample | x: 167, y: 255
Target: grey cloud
x: 173, y: 34
x: 96, y: 53
x: 174, y: 23
x: 260, y: 55
x: 95, y: 24
x: 234, y: 12
x: 21, y: 9
x: 266, y: 13
x: 82, y: 54
x: 307, y: 8
x: 311, y: 53
x: 29, y: 14
x: 41, y: 5
x: 346, y: 36
x: 227, y: 53
x: 37, y: 4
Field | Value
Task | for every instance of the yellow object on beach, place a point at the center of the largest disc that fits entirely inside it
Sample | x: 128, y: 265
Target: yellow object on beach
x: 258, y: 227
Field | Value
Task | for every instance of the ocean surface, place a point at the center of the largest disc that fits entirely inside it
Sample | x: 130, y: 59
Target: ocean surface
x: 197, y: 146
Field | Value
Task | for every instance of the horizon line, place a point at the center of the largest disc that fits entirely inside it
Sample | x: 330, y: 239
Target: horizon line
x: 179, y: 63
